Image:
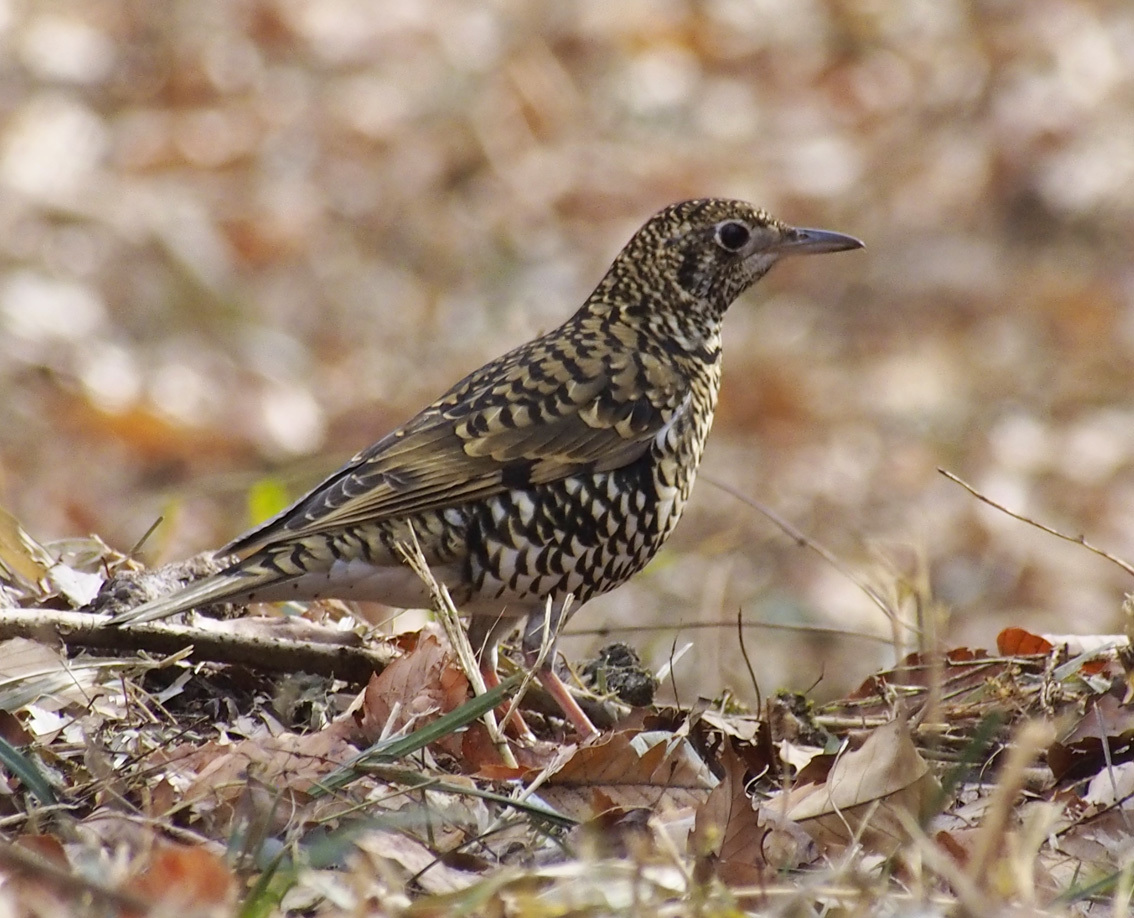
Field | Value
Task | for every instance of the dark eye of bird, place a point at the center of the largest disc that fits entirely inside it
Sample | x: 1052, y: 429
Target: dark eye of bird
x: 733, y: 236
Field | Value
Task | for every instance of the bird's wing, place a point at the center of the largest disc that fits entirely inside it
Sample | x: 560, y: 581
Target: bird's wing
x: 511, y: 424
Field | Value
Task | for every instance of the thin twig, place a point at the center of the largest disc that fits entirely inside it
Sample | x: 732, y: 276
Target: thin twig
x: 747, y: 623
x: 805, y: 541
x: 748, y: 661
x: 545, y: 646
x: 458, y: 639
x: 672, y: 677
x: 133, y: 552
x: 1077, y: 540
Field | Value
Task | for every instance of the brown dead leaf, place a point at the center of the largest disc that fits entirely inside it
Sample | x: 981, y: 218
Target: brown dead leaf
x: 12, y: 730
x: 617, y: 831
x: 955, y: 844
x: 726, y: 815
x: 288, y: 764
x: 480, y: 756
x: 180, y: 879
x: 727, y: 833
x: 48, y: 847
x: 1098, y: 837
x: 23, y: 561
x: 867, y: 792
x: 631, y: 770
x: 742, y: 844
x: 1103, y: 736
x: 411, y: 860
x: 416, y: 688
x: 1016, y: 642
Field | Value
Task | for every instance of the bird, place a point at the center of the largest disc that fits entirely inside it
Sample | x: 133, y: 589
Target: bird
x: 551, y: 475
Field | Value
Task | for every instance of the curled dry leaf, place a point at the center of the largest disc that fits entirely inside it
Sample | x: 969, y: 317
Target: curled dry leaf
x: 400, y: 859
x: 870, y: 793
x: 417, y: 688
x: 745, y: 845
x: 288, y: 764
x: 631, y: 770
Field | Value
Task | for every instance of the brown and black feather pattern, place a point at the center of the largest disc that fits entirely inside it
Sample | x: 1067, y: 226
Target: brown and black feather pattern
x: 560, y: 467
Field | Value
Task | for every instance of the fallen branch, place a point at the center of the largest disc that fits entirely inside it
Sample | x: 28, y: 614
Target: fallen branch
x: 262, y: 650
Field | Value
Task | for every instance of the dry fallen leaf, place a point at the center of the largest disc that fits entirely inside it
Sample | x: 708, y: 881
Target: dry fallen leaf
x: 414, y: 862
x: 34, y: 672
x: 1100, y: 647
x: 1102, y: 737
x: 287, y: 764
x: 734, y: 839
x: 414, y: 689
x: 870, y: 792
x: 644, y: 769
x: 180, y: 880
x: 23, y: 561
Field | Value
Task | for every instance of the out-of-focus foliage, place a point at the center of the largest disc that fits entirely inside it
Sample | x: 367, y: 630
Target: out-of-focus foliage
x: 236, y: 234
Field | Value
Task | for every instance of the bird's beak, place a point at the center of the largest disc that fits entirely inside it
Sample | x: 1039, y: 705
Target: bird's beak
x: 799, y: 241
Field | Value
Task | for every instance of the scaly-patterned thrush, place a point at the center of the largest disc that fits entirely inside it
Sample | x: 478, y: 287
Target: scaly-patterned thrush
x: 559, y: 468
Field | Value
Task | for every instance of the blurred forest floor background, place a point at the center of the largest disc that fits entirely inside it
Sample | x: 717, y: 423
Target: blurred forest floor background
x: 241, y: 239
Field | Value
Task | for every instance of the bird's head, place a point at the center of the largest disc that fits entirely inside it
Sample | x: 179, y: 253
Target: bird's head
x: 708, y: 252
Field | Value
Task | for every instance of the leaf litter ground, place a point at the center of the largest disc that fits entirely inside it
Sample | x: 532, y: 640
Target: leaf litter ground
x: 216, y: 777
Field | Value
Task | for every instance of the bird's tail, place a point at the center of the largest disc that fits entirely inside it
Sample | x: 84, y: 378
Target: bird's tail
x: 232, y: 585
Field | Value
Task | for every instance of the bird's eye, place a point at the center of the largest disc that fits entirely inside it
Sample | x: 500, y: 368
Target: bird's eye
x: 733, y: 236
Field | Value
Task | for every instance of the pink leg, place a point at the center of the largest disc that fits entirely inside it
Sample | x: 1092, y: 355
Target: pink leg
x: 541, y: 628
x: 484, y: 635
x: 516, y: 721
x: 567, y: 703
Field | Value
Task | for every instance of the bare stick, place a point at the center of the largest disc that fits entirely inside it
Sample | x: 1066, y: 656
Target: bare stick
x: 606, y: 630
x: 458, y: 639
x: 219, y: 643
x: 748, y: 661
x: 1077, y: 540
x: 805, y: 541
x: 133, y: 552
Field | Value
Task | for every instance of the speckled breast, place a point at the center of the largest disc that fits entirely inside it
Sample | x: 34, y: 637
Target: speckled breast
x: 586, y: 534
